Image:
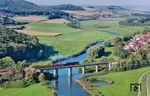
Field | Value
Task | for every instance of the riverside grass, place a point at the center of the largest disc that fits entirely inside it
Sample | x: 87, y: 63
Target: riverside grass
x: 122, y: 81
x: 33, y: 90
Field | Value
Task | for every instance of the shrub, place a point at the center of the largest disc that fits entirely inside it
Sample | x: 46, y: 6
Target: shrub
x: 96, y: 52
x: 74, y: 24
x: 41, y: 77
x: 7, y: 62
x: 15, y: 84
x: 117, y: 40
x: 44, y: 83
x: 108, y: 44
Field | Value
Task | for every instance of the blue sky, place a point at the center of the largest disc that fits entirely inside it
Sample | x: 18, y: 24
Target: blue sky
x: 92, y: 2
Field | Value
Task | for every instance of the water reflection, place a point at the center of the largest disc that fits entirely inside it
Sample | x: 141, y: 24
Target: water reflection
x: 67, y: 86
x: 69, y: 82
x: 56, y: 84
x: 101, y: 84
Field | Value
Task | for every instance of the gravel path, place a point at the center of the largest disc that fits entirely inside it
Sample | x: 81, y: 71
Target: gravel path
x: 139, y: 82
x: 148, y: 85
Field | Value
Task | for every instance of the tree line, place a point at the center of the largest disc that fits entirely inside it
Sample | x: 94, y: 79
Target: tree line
x: 130, y: 59
x: 19, y: 46
x: 136, y: 22
x: 22, y: 7
x: 4, y: 20
x: 19, y: 75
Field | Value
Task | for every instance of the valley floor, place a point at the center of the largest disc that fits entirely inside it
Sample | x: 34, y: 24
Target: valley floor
x: 73, y: 40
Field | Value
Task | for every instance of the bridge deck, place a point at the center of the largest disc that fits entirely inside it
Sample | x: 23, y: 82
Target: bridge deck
x: 83, y: 65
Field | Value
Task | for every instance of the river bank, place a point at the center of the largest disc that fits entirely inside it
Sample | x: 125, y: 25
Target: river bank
x: 88, y: 83
x: 71, y: 84
x: 121, y: 82
x: 80, y: 52
x: 32, y: 90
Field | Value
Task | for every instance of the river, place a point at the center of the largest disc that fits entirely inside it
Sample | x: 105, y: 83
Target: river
x: 67, y: 86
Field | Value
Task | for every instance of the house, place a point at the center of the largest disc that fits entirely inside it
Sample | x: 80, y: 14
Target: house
x: 139, y: 41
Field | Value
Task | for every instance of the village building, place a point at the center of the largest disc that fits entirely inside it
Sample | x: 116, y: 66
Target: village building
x: 139, y: 41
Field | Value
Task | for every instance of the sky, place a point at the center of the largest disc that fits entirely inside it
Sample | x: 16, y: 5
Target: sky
x: 92, y: 2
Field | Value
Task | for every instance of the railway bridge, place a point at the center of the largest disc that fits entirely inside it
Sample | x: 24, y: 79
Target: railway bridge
x: 56, y: 67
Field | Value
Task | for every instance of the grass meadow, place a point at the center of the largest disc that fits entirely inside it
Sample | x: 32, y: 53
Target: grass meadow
x: 33, y: 90
x: 73, y: 40
x: 122, y: 81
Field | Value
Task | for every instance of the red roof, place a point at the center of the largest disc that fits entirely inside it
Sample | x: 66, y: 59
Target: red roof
x: 141, y: 42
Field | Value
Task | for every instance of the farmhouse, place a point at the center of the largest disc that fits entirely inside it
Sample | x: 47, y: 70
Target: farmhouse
x: 139, y: 41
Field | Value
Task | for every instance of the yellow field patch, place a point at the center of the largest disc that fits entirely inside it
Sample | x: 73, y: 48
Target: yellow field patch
x: 57, y: 21
x: 41, y: 19
x: 31, y: 18
x: 88, y: 12
x: 35, y: 33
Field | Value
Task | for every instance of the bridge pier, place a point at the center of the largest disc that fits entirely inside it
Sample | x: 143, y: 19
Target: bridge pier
x: 83, y: 70
x: 109, y: 66
x: 55, y: 73
x: 70, y: 72
x: 96, y: 68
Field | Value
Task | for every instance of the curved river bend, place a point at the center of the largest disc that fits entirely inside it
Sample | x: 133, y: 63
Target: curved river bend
x: 67, y: 86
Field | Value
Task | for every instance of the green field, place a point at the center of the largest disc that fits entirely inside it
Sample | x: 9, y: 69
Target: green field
x: 109, y: 53
x: 33, y: 90
x: 73, y: 40
x: 122, y: 81
x: 46, y: 62
x: 144, y: 87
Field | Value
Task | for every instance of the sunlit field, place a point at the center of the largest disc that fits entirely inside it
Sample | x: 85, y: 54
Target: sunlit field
x: 73, y: 40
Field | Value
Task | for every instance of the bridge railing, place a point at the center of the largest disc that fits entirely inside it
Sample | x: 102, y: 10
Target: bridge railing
x: 68, y: 65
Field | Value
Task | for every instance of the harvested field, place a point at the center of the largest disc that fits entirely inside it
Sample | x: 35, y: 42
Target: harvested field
x: 29, y: 31
x: 57, y: 21
x: 89, y: 12
x: 31, y: 18
x: 40, y: 19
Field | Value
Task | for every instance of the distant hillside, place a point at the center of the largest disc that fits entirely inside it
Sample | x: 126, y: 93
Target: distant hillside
x: 17, y: 5
x: 67, y: 7
x: 90, y: 13
x: 22, y: 7
x: 111, y: 8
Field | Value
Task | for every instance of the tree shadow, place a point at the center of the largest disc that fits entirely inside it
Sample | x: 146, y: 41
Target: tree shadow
x: 49, y: 51
x: 108, y: 53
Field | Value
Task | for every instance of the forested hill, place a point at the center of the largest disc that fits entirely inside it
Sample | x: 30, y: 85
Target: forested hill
x: 19, y: 5
x: 67, y: 7
x: 111, y: 8
x: 4, y: 20
x: 22, y: 7
x: 19, y: 46
x: 136, y: 22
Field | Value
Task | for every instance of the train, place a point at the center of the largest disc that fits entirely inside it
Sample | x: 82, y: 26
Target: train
x: 55, y: 65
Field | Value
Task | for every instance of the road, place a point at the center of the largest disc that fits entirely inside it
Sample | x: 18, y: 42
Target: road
x: 139, y: 82
x: 148, y: 85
